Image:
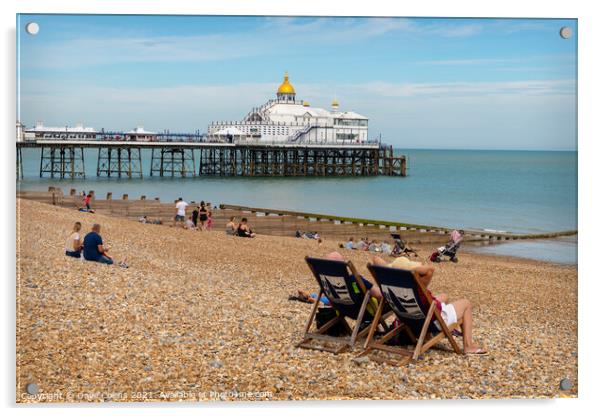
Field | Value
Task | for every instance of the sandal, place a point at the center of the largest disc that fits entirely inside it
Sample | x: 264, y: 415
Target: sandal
x: 479, y: 351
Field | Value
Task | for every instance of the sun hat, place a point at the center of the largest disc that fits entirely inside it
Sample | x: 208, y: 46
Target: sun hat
x: 404, y: 263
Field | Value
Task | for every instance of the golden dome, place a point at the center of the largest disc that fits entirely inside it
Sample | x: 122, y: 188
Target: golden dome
x: 335, y: 103
x: 305, y: 104
x: 286, y: 87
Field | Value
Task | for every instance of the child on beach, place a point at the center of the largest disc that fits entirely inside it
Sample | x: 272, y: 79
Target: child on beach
x: 449, y: 311
x: 73, y: 245
x: 209, y: 225
x: 190, y: 224
x: 86, y: 203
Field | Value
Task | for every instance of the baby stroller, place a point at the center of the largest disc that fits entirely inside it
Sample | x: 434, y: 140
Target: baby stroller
x: 401, y: 248
x: 450, y: 249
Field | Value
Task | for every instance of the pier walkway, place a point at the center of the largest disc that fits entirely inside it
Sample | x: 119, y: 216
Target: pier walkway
x: 64, y: 159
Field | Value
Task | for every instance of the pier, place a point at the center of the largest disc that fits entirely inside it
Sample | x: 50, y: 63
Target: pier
x: 64, y: 159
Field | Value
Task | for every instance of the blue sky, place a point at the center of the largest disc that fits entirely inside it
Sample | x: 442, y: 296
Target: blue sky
x: 424, y: 83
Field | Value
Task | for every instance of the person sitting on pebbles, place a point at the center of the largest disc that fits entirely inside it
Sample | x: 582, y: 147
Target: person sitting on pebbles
x: 244, y: 230
x: 94, y: 249
x: 449, y: 311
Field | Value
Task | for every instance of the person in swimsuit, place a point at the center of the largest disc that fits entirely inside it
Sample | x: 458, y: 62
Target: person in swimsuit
x: 244, y: 230
x: 203, y: 215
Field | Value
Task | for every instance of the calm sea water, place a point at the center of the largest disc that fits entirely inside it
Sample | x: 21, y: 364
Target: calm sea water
x: 517, y: 191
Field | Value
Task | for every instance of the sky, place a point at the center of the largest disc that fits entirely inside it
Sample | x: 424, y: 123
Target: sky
x: 423, y: 82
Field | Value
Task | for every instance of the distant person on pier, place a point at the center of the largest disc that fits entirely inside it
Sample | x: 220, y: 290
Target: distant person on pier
x: 180, y: 211
x: 73, y: 245
x: 203, y: 216
x: 232, y: 227
x: 244, y: 230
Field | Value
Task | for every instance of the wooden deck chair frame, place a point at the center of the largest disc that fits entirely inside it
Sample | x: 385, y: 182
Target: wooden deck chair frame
x: 344, y: 342
x: 422, y: 344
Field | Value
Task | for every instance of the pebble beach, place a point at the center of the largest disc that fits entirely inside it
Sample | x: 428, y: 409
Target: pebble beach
x: 206, y: 316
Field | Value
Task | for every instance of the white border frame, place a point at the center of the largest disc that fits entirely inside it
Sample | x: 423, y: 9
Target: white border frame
x: 589, y: 27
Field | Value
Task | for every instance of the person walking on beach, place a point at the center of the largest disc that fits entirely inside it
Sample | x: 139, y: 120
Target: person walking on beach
x: 180, y: 211
x: 93, y: 248
x: 73, y: 245
x: 203, y: 215
x: 449, y: 311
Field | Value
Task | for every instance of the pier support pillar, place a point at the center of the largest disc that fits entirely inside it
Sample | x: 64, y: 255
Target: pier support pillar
x: 62, y: 161
x: 172, y: 161
x: 119, y: 162
x: 19, y: 164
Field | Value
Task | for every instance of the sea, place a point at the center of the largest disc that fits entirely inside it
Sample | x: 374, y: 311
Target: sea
x: 513, y: 191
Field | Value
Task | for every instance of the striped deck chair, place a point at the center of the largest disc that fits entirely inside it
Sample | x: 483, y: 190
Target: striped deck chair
x: 415, y: 308
x: 347, y: 293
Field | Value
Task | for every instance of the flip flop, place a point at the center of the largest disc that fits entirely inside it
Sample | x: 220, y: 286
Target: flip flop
x: 457, y: 333
x: 480, y: 351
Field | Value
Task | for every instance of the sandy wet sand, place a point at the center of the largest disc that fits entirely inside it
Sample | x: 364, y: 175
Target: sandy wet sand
x: 206, y: 316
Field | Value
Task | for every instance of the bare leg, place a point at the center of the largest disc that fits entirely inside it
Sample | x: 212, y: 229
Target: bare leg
x: 335, y: 255
x: 303, y: 294
x: 377, y: 261
x: 464, y: 310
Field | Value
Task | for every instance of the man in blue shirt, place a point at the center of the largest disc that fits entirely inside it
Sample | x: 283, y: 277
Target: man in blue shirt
x: 93, y: 248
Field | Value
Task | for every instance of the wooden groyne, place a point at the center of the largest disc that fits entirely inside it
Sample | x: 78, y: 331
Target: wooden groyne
x: 399, y: 226
x: 278, y: 222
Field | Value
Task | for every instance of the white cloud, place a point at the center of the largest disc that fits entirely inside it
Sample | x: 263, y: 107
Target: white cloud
x: 276, y: 34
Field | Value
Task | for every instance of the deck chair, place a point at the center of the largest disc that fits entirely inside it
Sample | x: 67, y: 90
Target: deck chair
x: 415, y: 308
x: 342, y: 285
